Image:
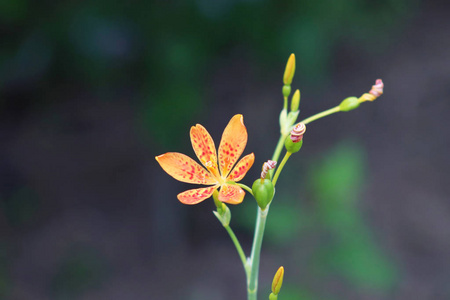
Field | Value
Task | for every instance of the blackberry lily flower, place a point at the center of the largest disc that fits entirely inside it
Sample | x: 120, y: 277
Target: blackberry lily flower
x: 219, y: 172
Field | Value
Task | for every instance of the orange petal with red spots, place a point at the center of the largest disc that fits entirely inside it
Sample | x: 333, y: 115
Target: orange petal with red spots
x: 204, y: 146
x: 241, y: 168
x: 184, y: 168
x: 234, y: 140
x: 196, y: 195
x: 231, y: 193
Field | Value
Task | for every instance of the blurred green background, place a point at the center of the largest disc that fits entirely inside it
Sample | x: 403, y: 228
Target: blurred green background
x: 92, y: 91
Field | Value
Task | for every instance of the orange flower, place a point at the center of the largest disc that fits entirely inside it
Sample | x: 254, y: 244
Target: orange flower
x: 223, y: 175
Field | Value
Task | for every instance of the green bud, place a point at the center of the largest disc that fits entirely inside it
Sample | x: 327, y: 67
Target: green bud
x: 295, y: 103
x: 348, y: 104
x: 273, y: 297
x: 286, y: 90
x: 291, y: 146
x: 289, y: 71
x: 278, y: 281
x: 263, y: 191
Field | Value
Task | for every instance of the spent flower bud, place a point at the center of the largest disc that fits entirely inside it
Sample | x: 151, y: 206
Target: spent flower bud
x: 297, y: 132
x: 374, y: 93
x: 377, y: 89
x: 269, y: 165
x: 294, y: 142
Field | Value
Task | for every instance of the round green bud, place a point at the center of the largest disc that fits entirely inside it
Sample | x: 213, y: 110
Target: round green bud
x: 291, y: 146
x: 348, y: 104
x: 272, y: 296
x: 286, y: 90
x: 263, y: 192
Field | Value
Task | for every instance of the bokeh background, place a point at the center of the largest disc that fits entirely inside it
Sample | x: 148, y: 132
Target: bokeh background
x: 92, y: 91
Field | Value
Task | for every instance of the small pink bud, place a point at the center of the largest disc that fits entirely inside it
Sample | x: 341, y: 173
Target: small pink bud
x: 269, y: 165
x: 298, y: 132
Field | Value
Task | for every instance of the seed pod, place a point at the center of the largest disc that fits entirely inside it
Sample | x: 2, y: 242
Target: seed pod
x: 263, y: 191
x: 348, y: 104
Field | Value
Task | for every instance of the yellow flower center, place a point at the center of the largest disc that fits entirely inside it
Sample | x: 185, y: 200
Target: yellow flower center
x: 212, y: 168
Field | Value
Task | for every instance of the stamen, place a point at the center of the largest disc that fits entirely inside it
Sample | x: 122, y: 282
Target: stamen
x: 212, y: 168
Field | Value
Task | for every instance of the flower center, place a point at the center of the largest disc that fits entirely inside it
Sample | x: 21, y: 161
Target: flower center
x: 212, y: 168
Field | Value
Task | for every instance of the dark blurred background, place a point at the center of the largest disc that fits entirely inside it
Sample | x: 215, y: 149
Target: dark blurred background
x: 92, y: 91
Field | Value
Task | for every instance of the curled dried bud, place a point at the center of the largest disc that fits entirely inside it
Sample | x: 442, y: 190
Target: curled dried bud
x: 377, y: 89
x: 269, y: 165
x: 375, y: 92
x: 297, y: 132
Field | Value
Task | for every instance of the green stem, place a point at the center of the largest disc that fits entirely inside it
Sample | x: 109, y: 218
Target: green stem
x: 252, y: 283
x: 321, y: 115
x: 285, y: 105
x: 245, y: 188
x: 238, y: 247
x: 252, y: 277
x: 278, y: 150
x: 280, y: 167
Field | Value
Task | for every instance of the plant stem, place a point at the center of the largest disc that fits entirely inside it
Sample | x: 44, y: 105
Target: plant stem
x: 321, y: 115
x: 252, y: 284
x: 252, y: 277
x: 245, y: 188
x: 278, y: 150
x: 238, y: 247
x: 280, y: 167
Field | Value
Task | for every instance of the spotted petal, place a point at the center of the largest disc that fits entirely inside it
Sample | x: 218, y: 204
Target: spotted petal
x: 195, y: 196
x: 231, y: 193
x: 242, y: 168
x: 204, y: 146
x: 184, y: 168
x: 234, y: 140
